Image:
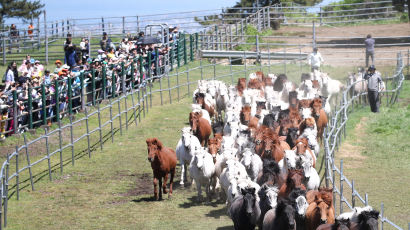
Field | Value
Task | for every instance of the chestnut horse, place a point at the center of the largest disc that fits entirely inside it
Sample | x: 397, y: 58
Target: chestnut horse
x: 200, y: 99
x: 255, y: 84
x: 258, y: 139
x: 241, y: 86
x: 163, y: 161
x: 321, y: 209
x: 294, y: 180
x: 320, y: 117
x: 214, y: 146
x: 247, y: 119
x: 301, y: 147
x: 200, y: 127
x: 272, y: 148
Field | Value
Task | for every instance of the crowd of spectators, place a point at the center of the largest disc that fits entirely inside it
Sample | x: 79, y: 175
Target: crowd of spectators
x: 30, y: 77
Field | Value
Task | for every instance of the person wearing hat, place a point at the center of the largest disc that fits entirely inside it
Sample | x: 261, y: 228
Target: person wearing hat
x: 58, y: 68
x: 374, y: 81
x: 47, y: 77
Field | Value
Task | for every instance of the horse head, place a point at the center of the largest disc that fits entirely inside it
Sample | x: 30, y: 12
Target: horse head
x: 342, y: 224
x: 213, y: 147
x: 316, y: 106
x: 324, y: 202
x: 292, y: 136
x: 194, y: 121
x: 270, y: 195
x: 368, y: 220
x: 245, y: 115
x: 302, y: 145
x: 295, y: 179
x: 285, y: 212
x: 249, y: 197
x: 290, y: 159
x: 154, y: 146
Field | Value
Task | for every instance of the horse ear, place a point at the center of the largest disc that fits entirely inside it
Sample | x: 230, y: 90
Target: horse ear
x: 243, y: 191
x: 253, y: 190
x: 157, y: 143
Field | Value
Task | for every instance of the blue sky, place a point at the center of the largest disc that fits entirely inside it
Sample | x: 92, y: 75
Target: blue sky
x: 57, y: 9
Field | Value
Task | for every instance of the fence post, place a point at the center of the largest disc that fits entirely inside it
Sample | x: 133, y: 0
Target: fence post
x: 45, y: 37
x: 60, y: 142
x: 341, y: 186
x: 123, y: 26
x: 30, y: 108
x: 15, y: 112
x: 99, y: 126
x: 111, y: 122
x: 141, y: 70
x: 104, y: 82
x: 177, y: 84
x: 70, y: 97
x: 71, y: 139
x: 7, y: 190
x: 93, y: 86
x: 157, y: 70
x: 196, y: 42
x: 89, y: 44
x: 353, y: 195
x: 17, y: 174
x: 160, y: 89
x: 83, y: 99
x: 257, y: 49
x: 314, y: 35
x: 187, y: 78
x: 320, y: 15
x: 4, y: 50
x: 185, y: 53
x: 149, y: 64
x: 268, y: 17
x: 28, y: 163
x: 102, y: 24
x: 88, y: 133
x: 57, y: 99
x: 191, y: 47
x: 178, y: 53
x: 169, y: 89
x: 44, y: 104
x: 113, y: 84
x: 382, y: 215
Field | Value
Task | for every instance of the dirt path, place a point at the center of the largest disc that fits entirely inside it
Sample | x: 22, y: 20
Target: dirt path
x: 348, y: 150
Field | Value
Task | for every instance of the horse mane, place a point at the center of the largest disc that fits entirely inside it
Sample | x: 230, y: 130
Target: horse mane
x: 270, y: 166
x: 365, y: 215
x: 326, y: 195
x: 342, y: 222
x: 316, y: 100
x: 155, y: 141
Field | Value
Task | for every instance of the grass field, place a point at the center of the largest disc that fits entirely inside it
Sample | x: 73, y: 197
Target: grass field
x: 112, y: 190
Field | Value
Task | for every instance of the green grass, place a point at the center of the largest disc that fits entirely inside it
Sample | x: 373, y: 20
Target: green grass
x: 375, y: 156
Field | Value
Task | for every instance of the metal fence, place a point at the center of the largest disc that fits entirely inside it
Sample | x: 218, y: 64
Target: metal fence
x: 336, y: 131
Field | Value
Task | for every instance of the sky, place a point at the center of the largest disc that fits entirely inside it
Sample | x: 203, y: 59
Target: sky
x: 57, y: 9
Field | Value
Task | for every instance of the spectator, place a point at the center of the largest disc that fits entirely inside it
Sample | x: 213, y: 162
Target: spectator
x: 47, y: 78
x: 104, y: 42
x: 369, y: 43
x: 58, y: 66
x: 374, y: 81
x: 30, y: 31
x: 11, y: 74
x: 69, y: 50
x: 315, y: 60
x: 84, y: 46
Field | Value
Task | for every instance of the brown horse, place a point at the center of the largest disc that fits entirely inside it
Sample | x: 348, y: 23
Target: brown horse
x: 321, y: 209
x: 294, y: 117
x: 302, y: 146
x: 255, y: 84
x: 247, y: 119
x: 308, y: 122
x: 241, y: 86
x: 272, y: 148
x: 200, y: 99
x: 163, y: 161
x: 320, y: 117
x: 214, y: 146
x: 258, y: 138
x: 200, y: 127
x: 294, y: 180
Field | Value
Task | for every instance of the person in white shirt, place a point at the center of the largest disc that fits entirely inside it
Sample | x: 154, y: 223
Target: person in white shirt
x: 315, y: 60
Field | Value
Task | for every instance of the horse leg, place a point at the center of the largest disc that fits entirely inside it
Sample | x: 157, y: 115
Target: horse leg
x: 183, y: 173
x: 164, y: 185
x: 159, y: 188
x: 171, y: 182
x: 155, y: 188
x: 199, y: 189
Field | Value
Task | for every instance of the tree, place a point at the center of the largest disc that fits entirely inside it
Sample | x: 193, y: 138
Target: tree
x: 19, y: 9
x: 399, y: 5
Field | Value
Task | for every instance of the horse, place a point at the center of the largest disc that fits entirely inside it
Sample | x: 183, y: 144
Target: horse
x: 308, y: 130
x: 366, y: 220
x: 202, y: 169
x: 272, y: 147
x: 247, y: 119
x: 331, y: 88
x: 200, y: 99
x: 321, y: 209
x: 245, y: 211
x: 338, y: 225
x: 294, y: 180
x: 270, y: 174
x: 163, y: 162
x: 187, y: 147
x: 302, y: 148
x: 292, y: 136
x: 200, y: 127
x: 268, y: 196
x: 283, y: 217
x: 252, y: 163
x: 320, y: 117
x: 214, y: 147
x: 298, y: 198
x: 241, y: 86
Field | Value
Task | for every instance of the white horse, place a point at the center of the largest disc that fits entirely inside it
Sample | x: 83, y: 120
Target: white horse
x: 311, y: 175
x: 331, y: 89
x: 252, y: 162
x: 202, y: 169
x: 186, y: 148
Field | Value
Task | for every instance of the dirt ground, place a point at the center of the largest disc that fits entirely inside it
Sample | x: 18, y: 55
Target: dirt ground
x: 343, y: 46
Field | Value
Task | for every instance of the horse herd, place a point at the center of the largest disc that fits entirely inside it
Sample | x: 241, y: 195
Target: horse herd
x: 262, y: 156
